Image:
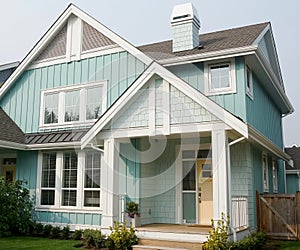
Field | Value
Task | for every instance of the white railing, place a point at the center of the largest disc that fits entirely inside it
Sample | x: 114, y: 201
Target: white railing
x: 239, y: 213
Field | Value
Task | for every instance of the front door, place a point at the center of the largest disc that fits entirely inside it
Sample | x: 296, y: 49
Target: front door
x: 205, y: 192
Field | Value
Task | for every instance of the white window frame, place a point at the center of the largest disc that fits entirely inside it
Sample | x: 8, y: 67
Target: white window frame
x: 82, y: 104
x: 265, y: 178
x: 275, y: 175
x: 58, y: 185
x: 207, y: 78
x: 249, y: 77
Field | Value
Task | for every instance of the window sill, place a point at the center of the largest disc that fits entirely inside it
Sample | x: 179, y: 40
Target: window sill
x: 67, y: 125
x: 220, y: 92
x: 88, y: 210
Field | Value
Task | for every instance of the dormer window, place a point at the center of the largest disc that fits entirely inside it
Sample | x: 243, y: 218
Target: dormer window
x: 73, y: 105
x: 219, y: 77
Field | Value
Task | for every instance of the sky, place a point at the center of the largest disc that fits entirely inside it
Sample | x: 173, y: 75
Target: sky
x: 23, y: 22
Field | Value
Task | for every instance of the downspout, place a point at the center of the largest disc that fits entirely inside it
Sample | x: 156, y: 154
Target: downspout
x: 96, y: 148
x: 229, y: 182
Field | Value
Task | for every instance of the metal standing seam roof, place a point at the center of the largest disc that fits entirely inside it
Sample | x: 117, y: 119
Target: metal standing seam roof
x: 215, y: 41
x: 294, y: 152
x: 55, y: 136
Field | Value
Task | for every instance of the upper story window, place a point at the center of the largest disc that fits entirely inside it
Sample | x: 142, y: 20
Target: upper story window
x: 72, y: 105
x: 249, y: 82
x: 220, y: 77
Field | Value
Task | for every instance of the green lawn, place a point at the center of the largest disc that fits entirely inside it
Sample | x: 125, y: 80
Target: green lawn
x: 282, y: 245
x: 35, y: 243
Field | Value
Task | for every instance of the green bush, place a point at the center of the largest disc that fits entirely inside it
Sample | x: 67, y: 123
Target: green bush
x: 255, y: 241
x: 38, y: 229
x: 47, y: 230
x: 55, y: 232
x: 218, y: 235
x: 121, y: 237
x: 77, y: 235
x: 94, y: 238
x: 65, y: 232
x: 15, y: 209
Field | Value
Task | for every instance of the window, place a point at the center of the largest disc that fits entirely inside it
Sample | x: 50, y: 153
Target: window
x: 249, y: 83
x: 220, y: 77
x: 72, y: 105
x: 265, y: 173
x: 48, y: 179
x: 92, y: 180
x: 275, y: 176
x: 51, y: 108
x: 69, y: 187
x: 69, y: 179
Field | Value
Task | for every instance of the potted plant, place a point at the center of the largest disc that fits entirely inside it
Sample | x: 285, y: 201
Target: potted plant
x: 132, y: 214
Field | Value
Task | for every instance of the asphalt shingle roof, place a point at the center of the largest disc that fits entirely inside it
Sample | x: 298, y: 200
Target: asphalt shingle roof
x: 9, y: 131
x: 219, y: 40
x: 294, y: 152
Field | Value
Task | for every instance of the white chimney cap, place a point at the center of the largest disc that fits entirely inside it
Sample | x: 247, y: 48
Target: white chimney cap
x: 184, y: 12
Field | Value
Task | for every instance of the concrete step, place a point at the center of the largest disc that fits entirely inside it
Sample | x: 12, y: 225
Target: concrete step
x: 166, y: 245
x: 143, y: 247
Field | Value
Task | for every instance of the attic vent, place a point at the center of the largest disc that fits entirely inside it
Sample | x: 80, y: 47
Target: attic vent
x: 179, y: 17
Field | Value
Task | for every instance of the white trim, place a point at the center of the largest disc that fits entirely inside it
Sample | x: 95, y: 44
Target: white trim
x: 84, y: 55
x: 261, y: 35
x: 53, y: 146
x: 12, y: 145
x: 207, y: 77
x: 58, y: 24
x: 151, y: 107
x: 9, y: 65
x: 275, y: 165
x: 215, y: 55
x: 166, y: 107
x: 86, y: 210
x: 182, y: 86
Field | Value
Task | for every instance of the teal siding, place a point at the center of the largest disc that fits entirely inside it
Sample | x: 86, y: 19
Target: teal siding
x: 263, y: 114
x: 292, y: 183
x: 26, y: 169
x: 68, y: 218
x: 22, y: 101
x: 234, y: 103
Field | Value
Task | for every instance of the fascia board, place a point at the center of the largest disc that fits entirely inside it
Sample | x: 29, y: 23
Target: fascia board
x: 61, y: 145
x: 266, y: 143
x: 12, y: 145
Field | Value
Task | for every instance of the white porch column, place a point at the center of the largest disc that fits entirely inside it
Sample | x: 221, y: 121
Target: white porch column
x: 108, y: 181
x: 219, y: 167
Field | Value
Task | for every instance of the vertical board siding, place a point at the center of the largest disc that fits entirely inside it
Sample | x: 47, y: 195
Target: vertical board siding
x: 22, y: 101
x: 27, y: 169
x: 70, y: 218
x: 235, y: 103
x: 263, y: 114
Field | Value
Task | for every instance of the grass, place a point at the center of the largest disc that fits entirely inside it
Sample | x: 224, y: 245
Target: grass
x: 282, y: 245
x: 35, y: 243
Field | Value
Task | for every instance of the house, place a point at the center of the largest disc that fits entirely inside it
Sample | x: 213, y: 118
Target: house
x: 293, y: 173
x: 189, y: 128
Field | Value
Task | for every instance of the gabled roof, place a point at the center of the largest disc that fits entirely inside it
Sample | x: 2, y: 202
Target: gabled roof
x: 56, y: 27
x: 215, y: 41
x: 294, y: 152
x: 178, y: 83
x: 9, y: 131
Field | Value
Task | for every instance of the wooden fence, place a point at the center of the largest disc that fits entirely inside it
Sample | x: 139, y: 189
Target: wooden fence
x: 279, y: 215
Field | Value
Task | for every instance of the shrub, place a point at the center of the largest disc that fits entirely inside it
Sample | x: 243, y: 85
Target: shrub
x: 254, y: 241
x: 65, y: 232
x: 94, y: 238
x: 16, y: 208
x: 121, y: 237
x: 77, y: 235
x: 55, y: 232
x: 218, y: 235
x: 47, y: 230
x: 38, y: 229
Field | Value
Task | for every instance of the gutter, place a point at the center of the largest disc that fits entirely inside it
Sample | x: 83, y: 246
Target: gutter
x: 229, y: 182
